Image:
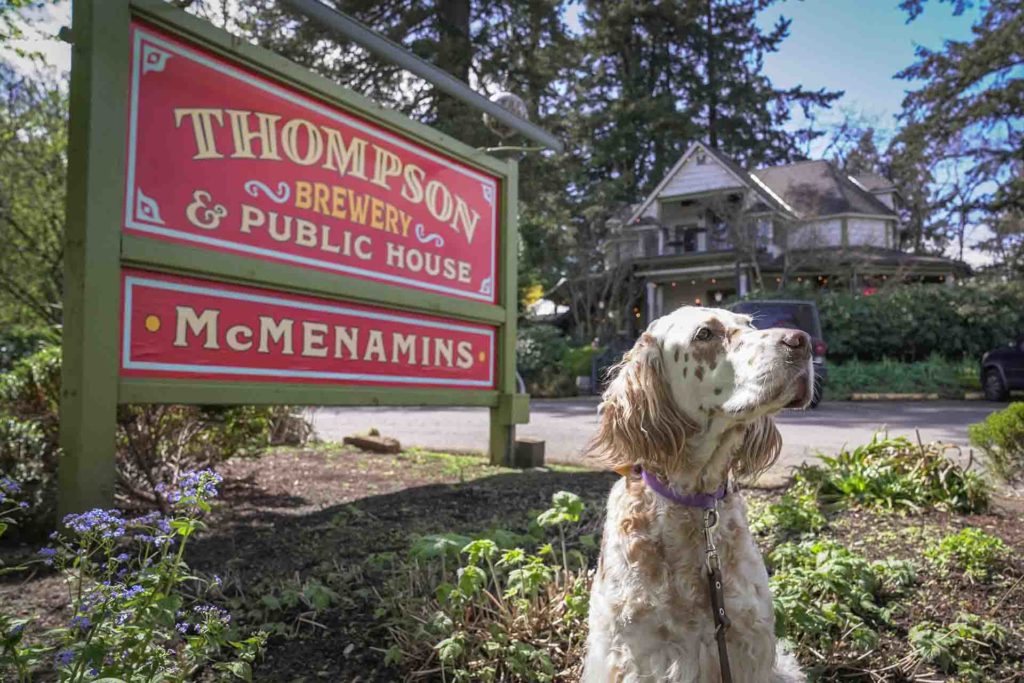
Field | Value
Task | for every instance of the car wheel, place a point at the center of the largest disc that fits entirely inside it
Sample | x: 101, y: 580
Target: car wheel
x: 995, y: 388
x: 816, y: 394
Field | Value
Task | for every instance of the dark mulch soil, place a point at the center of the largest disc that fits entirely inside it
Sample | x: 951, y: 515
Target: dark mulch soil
x: 291, y: 516
x: 321, y: 514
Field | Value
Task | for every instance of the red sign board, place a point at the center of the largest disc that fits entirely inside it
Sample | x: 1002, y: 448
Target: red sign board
x: 189, y: 328
x: 222, y: 158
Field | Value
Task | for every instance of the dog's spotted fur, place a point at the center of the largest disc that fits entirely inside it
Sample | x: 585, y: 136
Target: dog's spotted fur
x: 690, y: 422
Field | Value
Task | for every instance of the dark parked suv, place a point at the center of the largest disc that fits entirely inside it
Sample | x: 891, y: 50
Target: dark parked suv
x: 800, y: 315
x: 1002, y: 371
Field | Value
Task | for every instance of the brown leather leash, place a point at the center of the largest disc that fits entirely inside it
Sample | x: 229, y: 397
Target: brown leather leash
x: 714, y: 567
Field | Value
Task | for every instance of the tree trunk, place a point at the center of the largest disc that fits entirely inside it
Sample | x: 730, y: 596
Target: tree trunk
x: 454, y: 55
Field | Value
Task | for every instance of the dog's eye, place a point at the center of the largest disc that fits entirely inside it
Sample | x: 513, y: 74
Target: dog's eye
x: 703, y: 334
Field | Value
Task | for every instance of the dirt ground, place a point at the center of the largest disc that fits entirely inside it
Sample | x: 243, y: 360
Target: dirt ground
x: 293, y: 516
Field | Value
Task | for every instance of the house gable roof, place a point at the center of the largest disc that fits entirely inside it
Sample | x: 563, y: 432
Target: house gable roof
x: 816, y: 189
x: 744, y: 179
x: 873, y: 182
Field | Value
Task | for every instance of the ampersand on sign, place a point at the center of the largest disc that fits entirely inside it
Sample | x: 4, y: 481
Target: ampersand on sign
x: 203, y: 216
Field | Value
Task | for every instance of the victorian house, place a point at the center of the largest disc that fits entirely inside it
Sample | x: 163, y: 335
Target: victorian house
x: 711, y: 230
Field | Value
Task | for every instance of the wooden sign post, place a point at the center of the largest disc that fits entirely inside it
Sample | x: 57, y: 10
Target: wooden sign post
x: 243, y: 231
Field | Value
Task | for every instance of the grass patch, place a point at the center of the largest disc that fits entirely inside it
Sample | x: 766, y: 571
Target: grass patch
x: 948, y: 379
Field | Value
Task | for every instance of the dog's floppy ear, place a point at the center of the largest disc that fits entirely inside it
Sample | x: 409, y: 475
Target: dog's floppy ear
x: 761, y: 446
x: 640, y: 423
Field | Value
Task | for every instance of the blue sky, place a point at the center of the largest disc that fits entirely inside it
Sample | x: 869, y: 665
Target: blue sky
x: 858, y: 46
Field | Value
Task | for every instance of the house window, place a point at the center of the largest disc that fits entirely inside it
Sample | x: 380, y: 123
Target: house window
x: 765, y: 233
x: 684, y: 239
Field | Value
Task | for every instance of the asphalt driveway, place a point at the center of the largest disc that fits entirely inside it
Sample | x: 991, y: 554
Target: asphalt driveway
x: 567, y: 424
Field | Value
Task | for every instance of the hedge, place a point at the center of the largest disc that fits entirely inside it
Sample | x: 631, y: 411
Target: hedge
x: 914, y: 322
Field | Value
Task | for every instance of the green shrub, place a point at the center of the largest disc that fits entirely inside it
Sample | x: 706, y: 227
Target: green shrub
x: 829, y: 598
x: 154, y: 443
x: 965, y: 647
x: 910, y: 322
x: 579, y: 360
x: 977, y: 554
x: 540, y: 358
x: 18, y: 342
x: 30, y: 432
x: 484, y: 610
x: 932, y: 376
x: 1000, y: 438
x: 891, y: 473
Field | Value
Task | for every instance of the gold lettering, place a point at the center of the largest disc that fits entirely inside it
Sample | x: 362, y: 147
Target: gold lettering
x: 412, y: 188
x: 290, y: 142
x: 444, y: 211
x: 349, y: 160
x: 202, y: 129
x: 242, y: 135
x: 443, y: 351
x: 303, y: 194
x: 387, y: 165
x: 462, y: 211
x: 465, y: 351
x: 252, y: 218
x: 375, y: 347
x: 313, y: 339
x: 276, y: 332
x: 401, y: 343
x: 343, y: 336
x: 188, y: 321
x: 236, y: 331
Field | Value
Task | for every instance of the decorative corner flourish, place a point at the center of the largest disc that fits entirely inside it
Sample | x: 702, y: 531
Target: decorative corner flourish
x: 486, y: 287
x: 153, y: 58
x: 146, y: 208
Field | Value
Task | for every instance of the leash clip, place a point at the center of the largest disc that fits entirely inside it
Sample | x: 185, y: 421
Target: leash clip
x: 710, y: 524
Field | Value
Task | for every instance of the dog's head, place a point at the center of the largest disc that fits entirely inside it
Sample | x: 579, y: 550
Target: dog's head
x: 694, y: 368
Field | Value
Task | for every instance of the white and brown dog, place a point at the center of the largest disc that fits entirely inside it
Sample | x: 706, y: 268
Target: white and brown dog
x: 690, y: 404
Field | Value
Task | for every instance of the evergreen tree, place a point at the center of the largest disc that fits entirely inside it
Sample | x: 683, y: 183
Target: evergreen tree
x: 967, y: 116
x: 656, y: 76
x: 33, y: 165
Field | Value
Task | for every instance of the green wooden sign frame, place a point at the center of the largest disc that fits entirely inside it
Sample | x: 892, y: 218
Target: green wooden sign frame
x: 96, y: 249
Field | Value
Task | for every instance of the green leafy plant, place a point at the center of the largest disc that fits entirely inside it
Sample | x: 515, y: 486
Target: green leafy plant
x: 977, y: 554
x: 1000, y: 438
x: 891, y: 473
x: 797, y: 512
x: 137, y: 612
x: 490, y: 611
x: 829, y: 598
x: 965, y: 647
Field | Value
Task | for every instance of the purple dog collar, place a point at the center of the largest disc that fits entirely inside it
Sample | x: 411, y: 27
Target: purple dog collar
x: 705, y: 501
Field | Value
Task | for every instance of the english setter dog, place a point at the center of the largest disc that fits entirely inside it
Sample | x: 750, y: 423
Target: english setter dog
x: 689, y: 411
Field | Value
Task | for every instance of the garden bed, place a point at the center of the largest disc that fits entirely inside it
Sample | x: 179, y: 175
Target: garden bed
x: 308, y: 544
